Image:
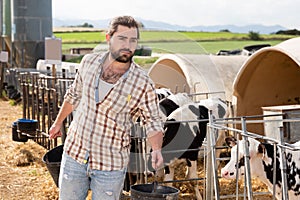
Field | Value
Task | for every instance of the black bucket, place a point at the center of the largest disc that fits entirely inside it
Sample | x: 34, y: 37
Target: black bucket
x: 17, y: 136
x: 52, y: 159
x: 144, y: 191
x: 27, y: 126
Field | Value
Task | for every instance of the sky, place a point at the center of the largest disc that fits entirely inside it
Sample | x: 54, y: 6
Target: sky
x: 186, y: 12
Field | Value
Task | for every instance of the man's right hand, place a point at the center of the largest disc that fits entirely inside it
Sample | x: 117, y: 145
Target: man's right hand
x: 157, y: 159
x: 54, y: 131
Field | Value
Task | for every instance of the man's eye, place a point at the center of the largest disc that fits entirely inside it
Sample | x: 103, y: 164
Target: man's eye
x: 133, y: 40
x: 122, y: 38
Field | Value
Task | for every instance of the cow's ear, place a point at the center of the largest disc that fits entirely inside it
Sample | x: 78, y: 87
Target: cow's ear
x: 230, y: 141
x: 261, y: 149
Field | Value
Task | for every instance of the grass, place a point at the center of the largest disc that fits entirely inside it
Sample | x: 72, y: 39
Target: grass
x: 174, y: 42
x: 145, y: 62
x: 81, y: 37
x: 185, y: 47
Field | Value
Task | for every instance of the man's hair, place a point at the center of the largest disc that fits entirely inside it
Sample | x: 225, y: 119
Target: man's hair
x: 127, y: 21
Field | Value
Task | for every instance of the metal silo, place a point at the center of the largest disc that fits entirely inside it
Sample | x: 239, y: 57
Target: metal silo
x: 1, y: 16
x: 6, y: 17
x: 31, y: 22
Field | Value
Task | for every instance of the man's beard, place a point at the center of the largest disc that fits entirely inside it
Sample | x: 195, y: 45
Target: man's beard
x: 116, y: 55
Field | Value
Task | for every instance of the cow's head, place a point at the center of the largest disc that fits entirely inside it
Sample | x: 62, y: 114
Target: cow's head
x: 236, y: 164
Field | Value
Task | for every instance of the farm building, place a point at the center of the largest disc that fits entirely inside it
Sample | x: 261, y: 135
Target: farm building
x: 269, y: 77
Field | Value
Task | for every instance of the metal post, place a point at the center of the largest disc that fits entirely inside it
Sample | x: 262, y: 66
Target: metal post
x: 274, y: 171
x: 213, y: 156
x: 237, y: 170
x: 247, y: 159
x: 283, y: 166
x: 209, y: 178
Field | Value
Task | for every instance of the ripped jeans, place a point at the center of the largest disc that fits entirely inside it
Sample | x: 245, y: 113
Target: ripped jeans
x: 76, y: 179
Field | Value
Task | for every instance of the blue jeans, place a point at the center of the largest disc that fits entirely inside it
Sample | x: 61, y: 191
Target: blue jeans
x: 76, y: 179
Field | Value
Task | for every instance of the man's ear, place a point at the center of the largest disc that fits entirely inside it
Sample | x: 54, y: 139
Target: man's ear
x: 230, y: 141
x: 107, y: 37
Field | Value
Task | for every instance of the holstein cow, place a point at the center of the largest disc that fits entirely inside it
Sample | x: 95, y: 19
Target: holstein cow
x: 182, y: 141
x: 261, y: 165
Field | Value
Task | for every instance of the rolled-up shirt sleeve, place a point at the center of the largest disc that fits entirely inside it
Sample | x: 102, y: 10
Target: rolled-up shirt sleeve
x: 150, y: 112
x: 74, y: 91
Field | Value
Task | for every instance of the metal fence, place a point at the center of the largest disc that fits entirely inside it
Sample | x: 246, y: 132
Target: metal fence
x: 213, y: 186
x: 211, y: 161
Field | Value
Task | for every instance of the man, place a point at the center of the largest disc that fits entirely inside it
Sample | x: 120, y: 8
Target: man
x: 109, y: 92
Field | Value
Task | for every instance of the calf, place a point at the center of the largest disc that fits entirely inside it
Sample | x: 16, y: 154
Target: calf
x: 188, y: 136
x: 261, y: 165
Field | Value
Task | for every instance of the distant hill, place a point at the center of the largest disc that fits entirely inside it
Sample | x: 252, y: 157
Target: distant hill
x: 156, y: 25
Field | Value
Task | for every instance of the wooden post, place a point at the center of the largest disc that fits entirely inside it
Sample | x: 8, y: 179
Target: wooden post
x: 1, y: 78
x: 53, y: 75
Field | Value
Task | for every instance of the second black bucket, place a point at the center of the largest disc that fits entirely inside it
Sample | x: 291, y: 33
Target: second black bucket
x: 52, y: 159
x: 145, y: 191
x: 16, y: 136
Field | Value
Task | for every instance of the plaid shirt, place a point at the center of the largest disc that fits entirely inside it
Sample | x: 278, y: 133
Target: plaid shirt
x: 103, y: 128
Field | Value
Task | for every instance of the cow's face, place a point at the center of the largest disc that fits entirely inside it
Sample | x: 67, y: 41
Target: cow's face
x: 237, y: 160
x: 236, y: 163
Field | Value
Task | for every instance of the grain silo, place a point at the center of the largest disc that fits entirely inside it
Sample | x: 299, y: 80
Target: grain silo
x: 25, y: 24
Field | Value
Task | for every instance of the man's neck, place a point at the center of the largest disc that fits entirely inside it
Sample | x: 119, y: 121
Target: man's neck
x: 113, y: 70
x: 115, y: 65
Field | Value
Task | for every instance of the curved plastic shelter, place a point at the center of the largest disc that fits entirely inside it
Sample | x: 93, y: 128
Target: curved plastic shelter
x: 199, y: 73
x: 270, y: 77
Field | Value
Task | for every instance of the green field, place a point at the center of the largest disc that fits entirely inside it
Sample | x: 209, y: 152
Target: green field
x: 174, y: 42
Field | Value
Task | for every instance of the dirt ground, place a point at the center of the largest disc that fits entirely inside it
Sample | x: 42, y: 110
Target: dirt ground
x: 24, y: 176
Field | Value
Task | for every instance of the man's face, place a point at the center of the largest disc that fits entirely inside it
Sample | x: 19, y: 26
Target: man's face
x: 123, y: 43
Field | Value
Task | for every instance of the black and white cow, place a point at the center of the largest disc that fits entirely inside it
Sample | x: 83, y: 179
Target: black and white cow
x: 261, y: 165
x: 187, y: 137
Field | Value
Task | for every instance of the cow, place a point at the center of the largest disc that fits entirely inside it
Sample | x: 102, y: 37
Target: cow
x: 261, y: 165
x: 188, y: 136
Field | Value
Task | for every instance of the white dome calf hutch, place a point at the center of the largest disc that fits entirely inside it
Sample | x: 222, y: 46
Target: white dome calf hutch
x: 197, y: 73
x: 269, y: 77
